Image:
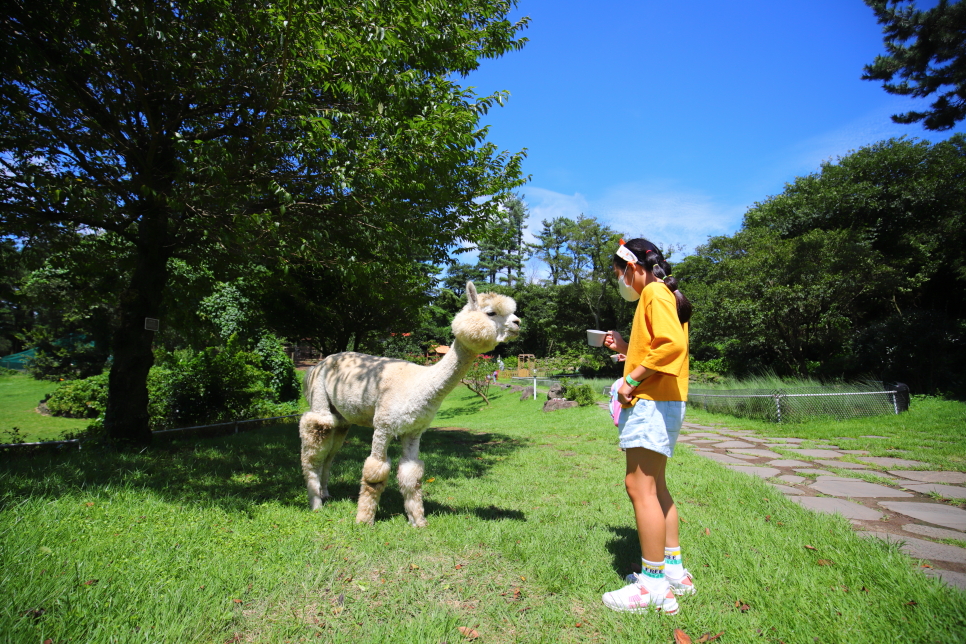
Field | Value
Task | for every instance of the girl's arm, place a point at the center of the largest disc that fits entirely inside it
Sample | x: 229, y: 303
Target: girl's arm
x: 626, y: 390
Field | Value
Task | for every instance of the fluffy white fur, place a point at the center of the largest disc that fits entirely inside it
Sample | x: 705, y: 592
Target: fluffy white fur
x: 397, y: 399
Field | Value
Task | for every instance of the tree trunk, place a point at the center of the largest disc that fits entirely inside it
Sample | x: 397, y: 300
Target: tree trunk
x: 126, y: 417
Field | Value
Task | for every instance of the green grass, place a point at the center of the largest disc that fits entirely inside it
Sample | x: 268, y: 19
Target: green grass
x: 210, y: 541
x: 19, y: 397
x: 932, y: 431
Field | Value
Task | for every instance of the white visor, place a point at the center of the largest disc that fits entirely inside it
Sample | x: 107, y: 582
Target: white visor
x: 626, y: 254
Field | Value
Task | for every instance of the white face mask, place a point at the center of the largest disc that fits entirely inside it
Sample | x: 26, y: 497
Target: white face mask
x: 627, y: 292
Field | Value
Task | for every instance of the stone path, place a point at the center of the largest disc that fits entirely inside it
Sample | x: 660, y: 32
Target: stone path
x: 879, y: 495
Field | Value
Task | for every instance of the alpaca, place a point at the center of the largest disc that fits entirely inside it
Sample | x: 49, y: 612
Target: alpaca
x: 397, y: 399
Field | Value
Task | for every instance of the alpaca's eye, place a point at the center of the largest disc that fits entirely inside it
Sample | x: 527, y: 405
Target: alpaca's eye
x: 491, y: 313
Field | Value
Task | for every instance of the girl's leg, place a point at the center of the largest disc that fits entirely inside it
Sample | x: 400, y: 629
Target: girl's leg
x: 652, y: 502
x: 650, y: 590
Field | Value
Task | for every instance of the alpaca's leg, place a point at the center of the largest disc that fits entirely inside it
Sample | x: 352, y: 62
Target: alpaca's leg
x: 410, y: 475
x: 321, y: 439
x: 338, y: 438
x: 375, y: 472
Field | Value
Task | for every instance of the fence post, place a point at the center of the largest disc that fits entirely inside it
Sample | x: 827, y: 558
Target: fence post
x: 778, y: 405
x: 895, y: 403
x: 534, y: 387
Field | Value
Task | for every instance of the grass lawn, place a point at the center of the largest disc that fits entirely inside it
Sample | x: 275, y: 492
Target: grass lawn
x: 210, y: 541
x: 19, y: 397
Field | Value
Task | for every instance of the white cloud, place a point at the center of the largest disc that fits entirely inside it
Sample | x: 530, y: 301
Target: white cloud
x: 662, y: 212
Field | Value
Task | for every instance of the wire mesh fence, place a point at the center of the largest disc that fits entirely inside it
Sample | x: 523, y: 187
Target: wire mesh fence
x: 798, y: 404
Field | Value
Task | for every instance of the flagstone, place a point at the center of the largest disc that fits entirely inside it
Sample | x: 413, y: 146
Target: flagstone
x: 874, y: 436
x: 784, y: 440
x: 855, y: 452
x: 744, y: 457
x: 786, y: 462
x: 763, y: 472
x: 815, y: 453
x: 936, y: 513
x: 888, y: 461
x: 784, y: 489
x: 949, y: 577
x: 759, y: 453
x: 830, y: 505
x: 810, y: 470
x: 721, y: 458
x: 945, y: 491
x: 733, y: 444
x: 791, y: 478
x: 856, y: 488
x: 935, y: 533
x: 845, y: 465
x: 922, y: 549
x: 931, y: 476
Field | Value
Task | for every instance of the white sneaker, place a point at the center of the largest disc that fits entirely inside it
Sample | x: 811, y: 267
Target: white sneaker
x: 682, y: 586
x: 637, y: 598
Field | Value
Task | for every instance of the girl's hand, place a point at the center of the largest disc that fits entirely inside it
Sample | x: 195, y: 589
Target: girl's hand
x: 624, y: 394
x: 615, y: 342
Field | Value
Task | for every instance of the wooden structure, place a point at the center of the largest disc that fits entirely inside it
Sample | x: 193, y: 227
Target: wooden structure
x: 526, y: 365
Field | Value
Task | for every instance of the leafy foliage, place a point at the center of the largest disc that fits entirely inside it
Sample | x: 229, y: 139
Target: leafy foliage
x: 580, y: 392
x: 935, y: 60
x: 853, y: 271
x: 226, y: 132
x: 480, y: 376
x: 84, y: 398
x: 214, y: 385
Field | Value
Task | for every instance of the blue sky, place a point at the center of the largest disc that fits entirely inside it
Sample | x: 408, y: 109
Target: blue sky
x: 670, y: 119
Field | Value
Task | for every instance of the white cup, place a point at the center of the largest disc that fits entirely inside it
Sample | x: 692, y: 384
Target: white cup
x: 614, y: 358
x: 595, y: 338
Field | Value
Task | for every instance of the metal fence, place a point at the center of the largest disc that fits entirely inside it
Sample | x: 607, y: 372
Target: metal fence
x: 797, y: 404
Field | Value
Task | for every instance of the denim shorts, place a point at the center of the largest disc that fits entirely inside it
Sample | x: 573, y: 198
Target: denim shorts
x: 652, y: 424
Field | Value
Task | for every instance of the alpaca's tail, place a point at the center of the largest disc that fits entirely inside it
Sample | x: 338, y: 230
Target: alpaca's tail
x: 308, y: 385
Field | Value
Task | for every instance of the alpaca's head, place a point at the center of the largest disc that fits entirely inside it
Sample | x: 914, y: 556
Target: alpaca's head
x: 486, y: 320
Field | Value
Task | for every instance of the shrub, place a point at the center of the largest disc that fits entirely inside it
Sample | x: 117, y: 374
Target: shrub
x: 582, y: 393
x: 283, y: 381
x: 85, y: 398
x: 185, y: 388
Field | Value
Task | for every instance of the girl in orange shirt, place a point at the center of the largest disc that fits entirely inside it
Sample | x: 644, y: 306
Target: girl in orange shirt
x: 652, y: 398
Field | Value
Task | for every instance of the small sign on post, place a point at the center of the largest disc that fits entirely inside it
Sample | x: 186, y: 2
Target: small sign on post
x: 151, y: 324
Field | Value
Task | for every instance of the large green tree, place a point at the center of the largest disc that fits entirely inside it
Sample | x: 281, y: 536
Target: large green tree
x: 927, y: 51
x: 299, y: 131
x: 839, y: 273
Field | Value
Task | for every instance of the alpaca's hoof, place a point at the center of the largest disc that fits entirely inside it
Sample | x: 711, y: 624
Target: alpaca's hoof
x: 365, y: 520
x: 316, y: 502
x: 417, y: 523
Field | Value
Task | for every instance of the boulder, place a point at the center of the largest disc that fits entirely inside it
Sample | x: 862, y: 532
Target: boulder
x: 556, y: 391
x: 558, y: 403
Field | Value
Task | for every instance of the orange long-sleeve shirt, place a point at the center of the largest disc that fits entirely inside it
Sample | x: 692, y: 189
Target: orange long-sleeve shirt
x: 660, y: 342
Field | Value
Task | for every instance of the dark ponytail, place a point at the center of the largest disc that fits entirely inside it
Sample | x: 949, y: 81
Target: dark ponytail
x: 652, y: 260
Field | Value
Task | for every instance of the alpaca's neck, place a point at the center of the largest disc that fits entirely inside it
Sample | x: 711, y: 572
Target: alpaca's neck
x: 447, y: 373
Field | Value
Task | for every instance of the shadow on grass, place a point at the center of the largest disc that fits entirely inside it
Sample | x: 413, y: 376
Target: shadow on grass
x: 239, y: 471
x: 625, y: 550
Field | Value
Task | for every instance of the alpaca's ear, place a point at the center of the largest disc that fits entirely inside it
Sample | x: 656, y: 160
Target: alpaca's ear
x: 471, y: 298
